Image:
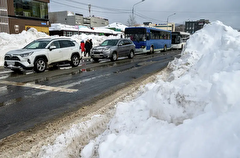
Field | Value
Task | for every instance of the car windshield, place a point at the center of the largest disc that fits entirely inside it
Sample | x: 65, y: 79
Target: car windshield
x: 109, y: 43
x: 37, y: 45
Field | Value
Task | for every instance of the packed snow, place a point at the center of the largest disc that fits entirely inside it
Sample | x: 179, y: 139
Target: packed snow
x: 193, y: 111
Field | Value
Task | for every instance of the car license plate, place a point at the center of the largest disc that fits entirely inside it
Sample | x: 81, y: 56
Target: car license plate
x: 11, y: 63
x: 97, y: 56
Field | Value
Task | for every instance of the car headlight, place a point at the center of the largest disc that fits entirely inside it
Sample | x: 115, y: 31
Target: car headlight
x: 107, y: 50
x: 26, y: 54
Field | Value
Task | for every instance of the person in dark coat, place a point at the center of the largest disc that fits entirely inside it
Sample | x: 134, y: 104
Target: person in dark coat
x: 91, y: 43
x: 88, y: 48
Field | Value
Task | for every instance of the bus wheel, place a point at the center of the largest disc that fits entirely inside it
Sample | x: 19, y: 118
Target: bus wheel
x: 151, y: 50
x: 165, y: 48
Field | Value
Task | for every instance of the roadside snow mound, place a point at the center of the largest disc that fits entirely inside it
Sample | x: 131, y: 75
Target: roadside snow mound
x: 195, y: 113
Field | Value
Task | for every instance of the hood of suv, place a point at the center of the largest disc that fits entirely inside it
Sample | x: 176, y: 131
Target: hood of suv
x: 102, y: 47
x: 22, y: 51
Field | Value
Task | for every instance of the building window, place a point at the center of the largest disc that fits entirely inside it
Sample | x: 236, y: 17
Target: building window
x: 31, y: 8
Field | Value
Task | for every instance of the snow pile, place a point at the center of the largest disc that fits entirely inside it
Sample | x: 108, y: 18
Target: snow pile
x: 195, y: 113
x: 117, y: 26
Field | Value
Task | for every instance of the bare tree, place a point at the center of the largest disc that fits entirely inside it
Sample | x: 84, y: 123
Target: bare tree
x: 131, y: 21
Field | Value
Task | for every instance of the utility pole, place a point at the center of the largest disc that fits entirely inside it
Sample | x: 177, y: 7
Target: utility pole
x: 89, y: 8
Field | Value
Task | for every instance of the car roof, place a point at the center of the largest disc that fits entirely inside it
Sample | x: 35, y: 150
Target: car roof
x: 119, y: 39
x: 52, y: 39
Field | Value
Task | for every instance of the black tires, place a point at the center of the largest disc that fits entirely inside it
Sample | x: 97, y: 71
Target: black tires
x: 40, y: 65
x: 151, y: 50
x: 75, y: 60
x: 95, y: 59
x: 165, y: 48
x: 114, y: 56
x: 131, y: 54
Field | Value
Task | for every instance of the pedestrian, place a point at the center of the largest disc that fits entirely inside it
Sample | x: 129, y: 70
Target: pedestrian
x: 87, y: 47
x: 91, y: 44
x: 82, y: 47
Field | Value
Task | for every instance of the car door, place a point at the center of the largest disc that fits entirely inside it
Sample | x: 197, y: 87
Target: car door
x: 67, y: 48
x: 55, y: 54
x: 121, y: 48
x: 126, y: 47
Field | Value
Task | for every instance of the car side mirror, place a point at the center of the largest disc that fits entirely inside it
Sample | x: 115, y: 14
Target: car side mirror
x: 52, y: 47
x: 120, y: 44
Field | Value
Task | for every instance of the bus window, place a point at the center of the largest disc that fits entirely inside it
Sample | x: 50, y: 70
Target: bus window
x: 146, y: 38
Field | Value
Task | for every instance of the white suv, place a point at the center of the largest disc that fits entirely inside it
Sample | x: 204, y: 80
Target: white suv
x: 41, y: 53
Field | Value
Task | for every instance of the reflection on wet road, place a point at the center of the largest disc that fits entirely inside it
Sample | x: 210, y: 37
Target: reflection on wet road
x: 28, y: 98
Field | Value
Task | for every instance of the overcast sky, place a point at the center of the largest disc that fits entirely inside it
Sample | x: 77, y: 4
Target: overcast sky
x: 155, y: 11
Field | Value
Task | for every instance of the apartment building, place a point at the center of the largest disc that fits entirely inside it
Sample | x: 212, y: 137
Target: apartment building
x: 19, y: 15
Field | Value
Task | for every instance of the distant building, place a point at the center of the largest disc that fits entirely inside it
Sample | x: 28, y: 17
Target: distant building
x: 98, y: 22
x: 69, y: 18
x: 19, y: 15
x: 193, y: 26
x: 180, y: 28
x: 66, y: 17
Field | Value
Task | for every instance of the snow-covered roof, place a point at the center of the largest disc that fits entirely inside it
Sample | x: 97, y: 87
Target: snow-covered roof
x: 58, y: 26
x: 117, y: 25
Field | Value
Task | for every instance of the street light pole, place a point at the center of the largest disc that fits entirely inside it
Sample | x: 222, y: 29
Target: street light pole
x: 168, y: 17
x: 134, y: 6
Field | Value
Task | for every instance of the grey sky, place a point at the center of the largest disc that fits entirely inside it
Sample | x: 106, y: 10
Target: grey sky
x: 155, y: 11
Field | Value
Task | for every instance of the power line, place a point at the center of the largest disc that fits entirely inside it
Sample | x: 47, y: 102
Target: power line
x: 67, y: 5
x: 189, y: 12
x: 104, y: 8
x: 109, y: 10
x: 147, y: 18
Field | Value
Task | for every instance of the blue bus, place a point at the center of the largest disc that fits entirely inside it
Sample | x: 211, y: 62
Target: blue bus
x: 149, y: 39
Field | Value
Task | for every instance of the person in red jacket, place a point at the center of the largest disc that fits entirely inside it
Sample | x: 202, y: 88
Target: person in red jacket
x: 82, y: 47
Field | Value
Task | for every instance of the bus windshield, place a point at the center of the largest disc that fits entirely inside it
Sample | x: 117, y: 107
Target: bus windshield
x: 176, y: 38
x: 179, y: 37
x: 136, y: 34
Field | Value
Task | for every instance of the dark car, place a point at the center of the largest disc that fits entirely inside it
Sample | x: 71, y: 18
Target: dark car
x: 112, y: 49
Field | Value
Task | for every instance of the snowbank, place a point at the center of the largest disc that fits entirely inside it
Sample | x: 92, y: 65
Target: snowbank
x: 194, y: 113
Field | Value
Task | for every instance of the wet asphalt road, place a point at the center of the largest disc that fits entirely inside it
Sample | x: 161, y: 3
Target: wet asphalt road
x: 29, y: 99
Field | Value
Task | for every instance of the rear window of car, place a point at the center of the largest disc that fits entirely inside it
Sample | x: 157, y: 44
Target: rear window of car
x: 126, y: 42
x: 66, y: 43
x: 109, y: 43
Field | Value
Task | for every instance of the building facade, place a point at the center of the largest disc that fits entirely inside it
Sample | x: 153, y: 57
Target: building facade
x: 98, y: 22
x: 66, y: 17
x: 19, y: 15
x: 193, y: 26
x: 69, y: 18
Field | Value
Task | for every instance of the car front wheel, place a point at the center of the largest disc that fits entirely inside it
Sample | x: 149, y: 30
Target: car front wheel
x: 131, y: 55
x: 40, y: 65
x: 114, y: 56
x: 75, y: 60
